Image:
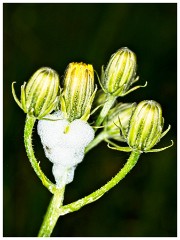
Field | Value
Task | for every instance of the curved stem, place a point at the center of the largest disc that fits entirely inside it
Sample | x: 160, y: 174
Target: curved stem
x: 110, y: 101
x: 131, y: 162
x: 30, y: 121
x: 55, y: 209
x: 52, y: 214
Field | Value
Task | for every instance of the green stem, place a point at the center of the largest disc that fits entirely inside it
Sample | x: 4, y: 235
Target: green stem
x: 30, y: 121
x: 52, y: 214
x: 131, y: 162
x: 110, y: 101
x: 99, y: 138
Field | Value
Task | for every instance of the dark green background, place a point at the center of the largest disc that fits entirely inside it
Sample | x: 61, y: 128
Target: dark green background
x: 36, y: 35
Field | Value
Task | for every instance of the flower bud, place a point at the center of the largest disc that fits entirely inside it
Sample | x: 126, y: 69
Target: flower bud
x: 78, y: 93
x: 146, y: 125
x: 120, y: 73
x: 118, y: 118
x: 39, y: 95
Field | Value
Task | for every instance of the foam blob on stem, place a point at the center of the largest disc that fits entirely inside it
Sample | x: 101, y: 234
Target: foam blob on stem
x: 64, y: 144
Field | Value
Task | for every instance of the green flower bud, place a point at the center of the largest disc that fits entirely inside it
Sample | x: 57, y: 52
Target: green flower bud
x: 78, y: 93
x: 120, y: 73
x: 39, y: 95
x: 118, y: 118
x: 146, y: 125
x: 145, y: 129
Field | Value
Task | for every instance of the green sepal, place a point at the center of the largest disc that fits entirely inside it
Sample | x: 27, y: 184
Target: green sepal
x: 87, y: 113
x: 49, y: 109
x: 117, y: 147
x: 132, y: 89
x: 97, y: 127
x: 23, y: 98
x: 49, y: 119
x: 160, y: 149
x: 135, y: 80
x: 166, y: 131
x: 121, y: 128
x: 102, y: 76
x: 15, y: 97
x: 95, y: 109
x: 63, y: 105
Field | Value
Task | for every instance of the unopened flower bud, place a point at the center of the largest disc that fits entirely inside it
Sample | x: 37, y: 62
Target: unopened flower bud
x: 120, y: 73
x: 39, y: 95
x: 146, y: 125
x: 118, y: 118
x: 78, y: 93
x: 145, y: 129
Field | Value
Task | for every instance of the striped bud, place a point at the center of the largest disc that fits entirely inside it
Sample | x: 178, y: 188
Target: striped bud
x: 146, y: 125
x: 78, y: 93
x: 120, y: 73
x: 39, y: 95
x: 118, y: 118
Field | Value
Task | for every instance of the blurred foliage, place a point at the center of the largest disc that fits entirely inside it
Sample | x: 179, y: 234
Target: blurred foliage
x: 35, y: 35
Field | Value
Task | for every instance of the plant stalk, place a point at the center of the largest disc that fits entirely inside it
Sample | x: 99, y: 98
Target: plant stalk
x: 52, y: 214
x: 30, y: 121
x: 109, y: 103
x: 55, y: 209
x: 75, y: 206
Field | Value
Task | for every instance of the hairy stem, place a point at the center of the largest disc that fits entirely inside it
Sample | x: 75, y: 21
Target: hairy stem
x: 52, y: 214
x: 109, y: 103
x: 55, y: 209
x: 30, y: 121
x: 75, y: 206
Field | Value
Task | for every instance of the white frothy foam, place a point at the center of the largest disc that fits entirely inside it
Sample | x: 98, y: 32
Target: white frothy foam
x: 64, y: 144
